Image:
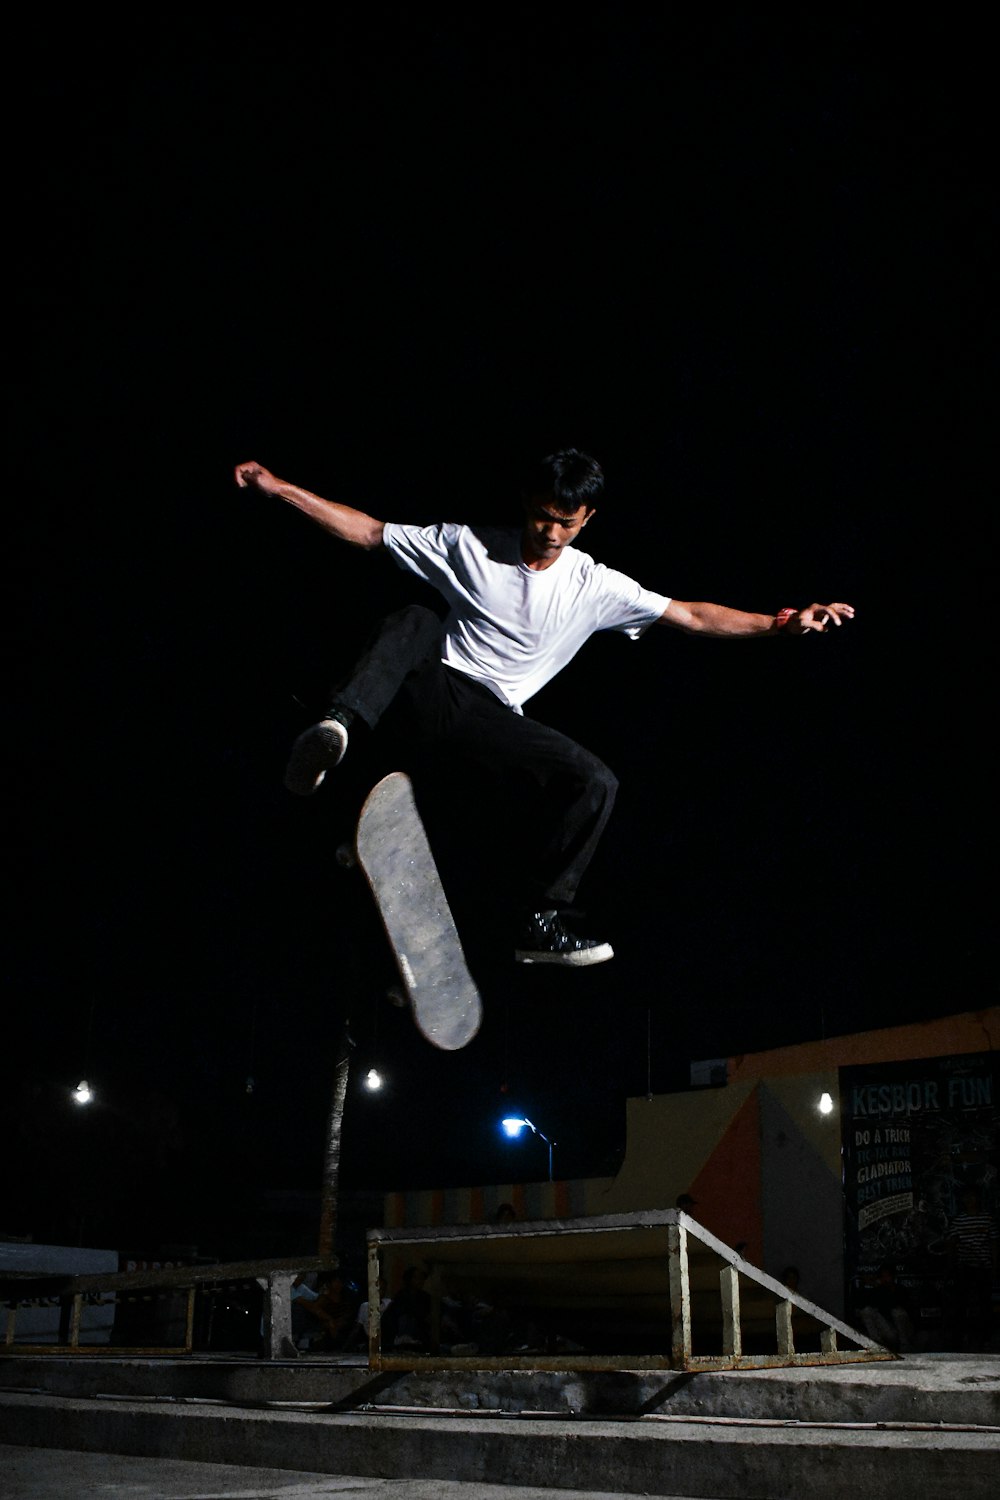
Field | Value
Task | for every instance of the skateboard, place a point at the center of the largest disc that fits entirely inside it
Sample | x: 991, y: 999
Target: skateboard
x: 396, y: 858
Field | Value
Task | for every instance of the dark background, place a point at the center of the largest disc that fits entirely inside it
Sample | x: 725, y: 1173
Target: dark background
x: 742, y: 259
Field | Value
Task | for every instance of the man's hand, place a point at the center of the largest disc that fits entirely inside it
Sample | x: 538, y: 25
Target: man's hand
x: 818, y: 618
x: 255, y: 476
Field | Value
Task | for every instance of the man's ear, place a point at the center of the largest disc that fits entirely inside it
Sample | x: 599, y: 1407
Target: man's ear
x: 587, y: 516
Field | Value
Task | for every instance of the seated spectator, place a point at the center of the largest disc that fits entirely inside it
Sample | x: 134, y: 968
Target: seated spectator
x: 406, y: 1323
x: 303, y: 1326
x: 358, y: 1337
x: 884, y: 1311
x: 791, y: 1277
x: 334, y: 1309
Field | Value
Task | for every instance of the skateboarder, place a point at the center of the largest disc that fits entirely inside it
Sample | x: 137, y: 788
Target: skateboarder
x: 522, y: 603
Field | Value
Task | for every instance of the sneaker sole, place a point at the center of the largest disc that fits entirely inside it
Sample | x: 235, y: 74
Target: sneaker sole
x: 580, y: 958
x: 314, y: 753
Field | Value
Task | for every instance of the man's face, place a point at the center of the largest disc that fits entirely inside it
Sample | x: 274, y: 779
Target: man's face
x: 548, y: 529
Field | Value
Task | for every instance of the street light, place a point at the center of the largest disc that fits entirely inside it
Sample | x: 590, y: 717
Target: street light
x: 83, y: 1093
x: 512, y: 1126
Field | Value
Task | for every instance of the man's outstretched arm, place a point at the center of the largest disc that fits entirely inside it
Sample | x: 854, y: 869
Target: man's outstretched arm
x: 341, y: 521
x: 719, y: 620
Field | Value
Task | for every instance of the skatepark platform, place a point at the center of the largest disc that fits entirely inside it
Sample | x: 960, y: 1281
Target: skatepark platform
x: 929, y: 1423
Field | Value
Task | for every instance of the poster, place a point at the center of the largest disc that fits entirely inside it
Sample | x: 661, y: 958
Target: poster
x: 916, y: 1135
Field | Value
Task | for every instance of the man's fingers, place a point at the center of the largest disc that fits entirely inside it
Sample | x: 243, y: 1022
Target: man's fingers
x: 820, y: 617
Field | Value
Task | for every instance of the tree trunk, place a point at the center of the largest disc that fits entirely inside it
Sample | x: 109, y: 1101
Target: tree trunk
x: 331, y: 1158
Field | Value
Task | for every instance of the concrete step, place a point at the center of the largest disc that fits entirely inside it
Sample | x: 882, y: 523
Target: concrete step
x: 644, y: 1455
x: 955, y: 1389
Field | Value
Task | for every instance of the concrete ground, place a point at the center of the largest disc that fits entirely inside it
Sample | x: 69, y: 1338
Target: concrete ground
x: 46, y: 1474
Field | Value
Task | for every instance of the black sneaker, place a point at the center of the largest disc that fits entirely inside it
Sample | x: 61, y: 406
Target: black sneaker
x: 544, y: 940
x: 317, y: 750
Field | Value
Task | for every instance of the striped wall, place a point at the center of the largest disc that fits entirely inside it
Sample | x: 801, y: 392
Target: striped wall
x: 478, y: 1205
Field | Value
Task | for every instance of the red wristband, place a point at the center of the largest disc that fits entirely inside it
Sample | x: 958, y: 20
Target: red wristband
x: 782, y: 618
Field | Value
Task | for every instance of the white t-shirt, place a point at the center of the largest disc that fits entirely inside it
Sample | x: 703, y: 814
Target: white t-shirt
x: 512, y: 627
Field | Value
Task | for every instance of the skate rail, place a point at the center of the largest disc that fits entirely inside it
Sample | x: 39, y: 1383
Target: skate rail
x: 72, y: 1294
x: 644, y: 1290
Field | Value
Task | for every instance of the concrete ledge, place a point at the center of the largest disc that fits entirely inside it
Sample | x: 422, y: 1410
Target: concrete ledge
x: 653, y: 1456
x: 955, y: 1389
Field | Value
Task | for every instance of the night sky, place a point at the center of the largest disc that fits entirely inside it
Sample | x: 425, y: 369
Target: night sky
x: 742, y: 260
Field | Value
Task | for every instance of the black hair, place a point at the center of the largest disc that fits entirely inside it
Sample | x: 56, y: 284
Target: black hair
x: 572, y: 479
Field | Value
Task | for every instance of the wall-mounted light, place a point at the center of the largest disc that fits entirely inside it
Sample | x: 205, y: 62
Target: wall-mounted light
x: 825, y: 1105
x: 83, y: 1093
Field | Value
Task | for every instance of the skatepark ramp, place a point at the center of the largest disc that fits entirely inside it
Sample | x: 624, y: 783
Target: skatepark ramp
x: 645, y: 1290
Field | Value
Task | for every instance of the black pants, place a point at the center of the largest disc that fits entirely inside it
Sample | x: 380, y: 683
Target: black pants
x: 442, y: 712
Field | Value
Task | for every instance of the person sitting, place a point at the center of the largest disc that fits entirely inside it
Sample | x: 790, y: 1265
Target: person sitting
x: 406, y: 1323
x: 884, y: 1310
x: 358, y: 1337
x: 334, y: 1309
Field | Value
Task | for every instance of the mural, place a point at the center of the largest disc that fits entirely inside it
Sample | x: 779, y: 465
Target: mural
x: 917, y: 1136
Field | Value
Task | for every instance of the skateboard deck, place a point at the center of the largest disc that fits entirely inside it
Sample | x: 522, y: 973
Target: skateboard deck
x: 398, y: 864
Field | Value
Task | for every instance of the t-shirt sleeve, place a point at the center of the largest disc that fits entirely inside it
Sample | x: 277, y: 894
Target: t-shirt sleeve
x: 626, y: 605
x: 423, y: 550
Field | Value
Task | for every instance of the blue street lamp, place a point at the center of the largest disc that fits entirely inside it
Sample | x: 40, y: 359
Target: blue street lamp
x: 512, y: 1126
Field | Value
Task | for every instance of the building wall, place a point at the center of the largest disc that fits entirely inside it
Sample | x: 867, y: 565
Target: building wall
x: 801, y: 1194
x: 478, y: 1205
x: 949, y: 1036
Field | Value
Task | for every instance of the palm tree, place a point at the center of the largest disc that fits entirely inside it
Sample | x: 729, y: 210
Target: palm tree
x: 331, y: 1155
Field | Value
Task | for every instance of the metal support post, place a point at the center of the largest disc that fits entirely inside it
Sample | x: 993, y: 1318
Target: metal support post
x: 729, y: 1286
x: 680, y: 1295
x: 277, y: 1313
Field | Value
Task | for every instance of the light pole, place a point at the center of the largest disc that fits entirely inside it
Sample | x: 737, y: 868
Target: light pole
x: 513, y: 1125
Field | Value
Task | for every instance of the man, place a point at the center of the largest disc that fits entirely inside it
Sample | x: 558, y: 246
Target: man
x: 884, y: 1310
x: 521, y: 605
